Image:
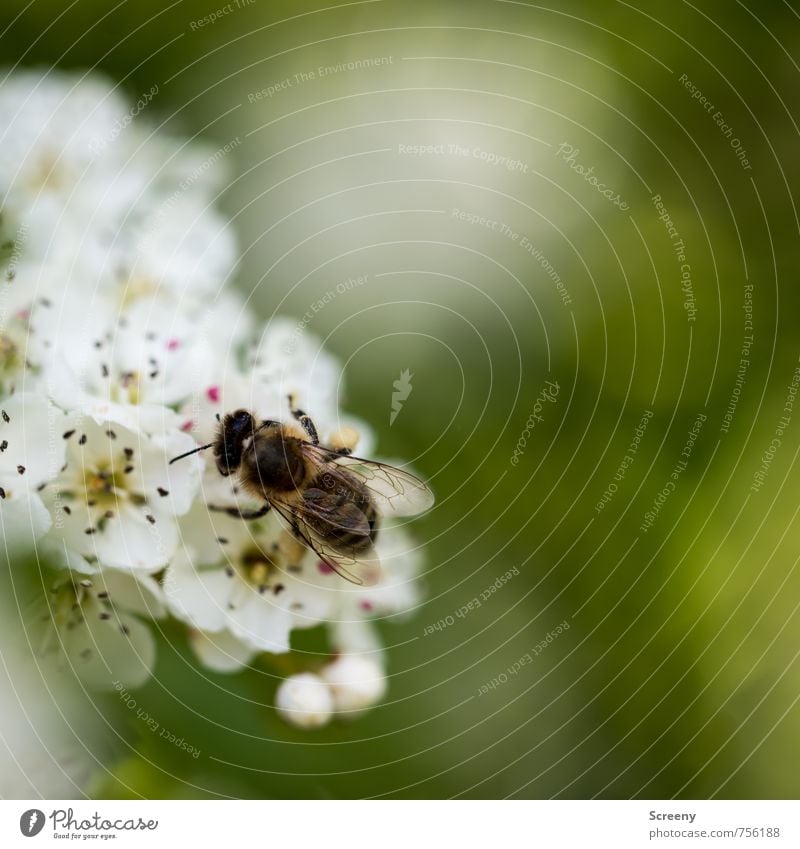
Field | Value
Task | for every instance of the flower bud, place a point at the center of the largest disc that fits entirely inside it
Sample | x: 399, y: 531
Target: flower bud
x: 304, y: 701
x: 357, y: 683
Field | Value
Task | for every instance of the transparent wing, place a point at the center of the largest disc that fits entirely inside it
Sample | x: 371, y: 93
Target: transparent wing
x: 395, y: 491
x: 357, y: 565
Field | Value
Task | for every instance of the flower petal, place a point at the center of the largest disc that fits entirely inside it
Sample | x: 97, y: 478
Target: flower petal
x: 261, y: 623
x: 221, y: 652
x: 197, y: 597
x: 23, y: 519
x: 34, y: 450
x: 103, y: 652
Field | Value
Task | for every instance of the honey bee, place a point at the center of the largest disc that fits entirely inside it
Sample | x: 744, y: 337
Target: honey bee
x: 329, y: 500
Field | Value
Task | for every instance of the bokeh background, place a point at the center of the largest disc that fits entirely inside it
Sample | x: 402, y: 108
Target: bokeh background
x: 440, y: 150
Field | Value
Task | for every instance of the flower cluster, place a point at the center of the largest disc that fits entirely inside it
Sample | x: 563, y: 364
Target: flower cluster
x: 120, y: 341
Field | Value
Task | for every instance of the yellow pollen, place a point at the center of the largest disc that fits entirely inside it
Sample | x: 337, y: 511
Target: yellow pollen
x: 137, y: 287
x: 259, y: 573
x: 47, y: 174
x: 101, y: 485
x: 9, y: 358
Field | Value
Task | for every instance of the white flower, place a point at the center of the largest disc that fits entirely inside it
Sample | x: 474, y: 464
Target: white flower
x: 29, y: 458
x: 116, y: 499
x: 134, y: 365
x: 16, y: 372
x: 250, y: 579
x: 46, y: 154
x: 177, y: 248
x: 92, y: 622
x: 30, y: 455
x: 288, y: 360
x: 49, y: 746
x: 357, y: 683
x: 396, y: 591
x: 277, y: 366
x: 304, y: 700
x: 280, y: 365
x: 119, y: 339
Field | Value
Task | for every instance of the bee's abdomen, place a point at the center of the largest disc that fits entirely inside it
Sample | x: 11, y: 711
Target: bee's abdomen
x: 344, y: 516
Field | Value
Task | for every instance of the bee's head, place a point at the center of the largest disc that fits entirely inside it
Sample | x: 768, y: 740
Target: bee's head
x: 233, y: 430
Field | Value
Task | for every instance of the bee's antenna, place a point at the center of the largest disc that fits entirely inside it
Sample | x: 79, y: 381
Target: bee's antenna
x: 189, y: 453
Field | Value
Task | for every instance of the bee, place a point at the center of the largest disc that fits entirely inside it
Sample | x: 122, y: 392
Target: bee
x: 330, y: 501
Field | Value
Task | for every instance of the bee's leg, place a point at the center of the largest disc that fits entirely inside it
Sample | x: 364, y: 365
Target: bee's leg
x: 237, y: 513
x: 343, y: 441
x: 305, y: 421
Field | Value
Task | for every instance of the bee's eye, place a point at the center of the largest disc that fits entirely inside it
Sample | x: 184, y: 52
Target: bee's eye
x: 241, y: 420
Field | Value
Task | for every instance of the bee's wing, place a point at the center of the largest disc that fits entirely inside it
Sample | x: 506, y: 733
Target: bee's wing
x: 359, y: 567
x: 396, y: 492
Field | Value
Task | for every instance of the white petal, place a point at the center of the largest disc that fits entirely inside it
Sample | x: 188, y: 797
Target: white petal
x: 60, y: 556
x: 136, y: 593
x: 101, y: 654
x: 181, y: 480
x: 23, y: 519
x: 33, y: 434
x: 356, y: 636
x: 261, y: 622
x: 316, y: 601
x: 221, y: 652
x: 129, y: 541
x: 199, y: 598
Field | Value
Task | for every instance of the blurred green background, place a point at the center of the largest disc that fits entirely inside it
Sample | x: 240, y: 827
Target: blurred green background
x: 679, y: 674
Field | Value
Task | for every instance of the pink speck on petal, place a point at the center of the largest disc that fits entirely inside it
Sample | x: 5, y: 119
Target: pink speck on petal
x: 366, y: 605
x: 324, y: 567
x: 187, y: 426
x: 23, y: 314
x: 213, y: 394
x: 173, y: 344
